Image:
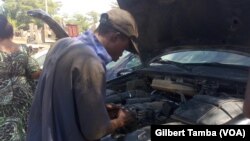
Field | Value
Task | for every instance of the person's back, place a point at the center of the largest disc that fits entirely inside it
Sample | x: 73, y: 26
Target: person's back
x: 60, y: 120
x: 16, y: 70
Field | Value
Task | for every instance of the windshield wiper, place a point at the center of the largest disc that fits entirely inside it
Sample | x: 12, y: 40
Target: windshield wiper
x: 217, y: 64
x: 177, y: 64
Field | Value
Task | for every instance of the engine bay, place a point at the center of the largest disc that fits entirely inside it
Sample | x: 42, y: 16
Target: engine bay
x: 176, y: 100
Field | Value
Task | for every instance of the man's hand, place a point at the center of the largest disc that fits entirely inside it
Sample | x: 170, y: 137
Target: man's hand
x: 119, y: 117
x: 124, y: 117
x: 113, y: 110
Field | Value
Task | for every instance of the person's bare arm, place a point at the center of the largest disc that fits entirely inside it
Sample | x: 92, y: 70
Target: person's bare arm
x: 36, y: 74
x: 33, y: 68
x: 246, y: 105
x: 89, y: 93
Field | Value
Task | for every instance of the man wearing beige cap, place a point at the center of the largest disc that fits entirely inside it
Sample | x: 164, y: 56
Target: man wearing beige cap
x: 69, y: 102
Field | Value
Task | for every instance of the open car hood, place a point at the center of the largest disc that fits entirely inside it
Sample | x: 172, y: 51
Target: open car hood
x: 172, y: 25
x: 45, y: 17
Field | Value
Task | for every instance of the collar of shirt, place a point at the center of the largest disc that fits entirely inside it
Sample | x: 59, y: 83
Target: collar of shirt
x: 91, y: 41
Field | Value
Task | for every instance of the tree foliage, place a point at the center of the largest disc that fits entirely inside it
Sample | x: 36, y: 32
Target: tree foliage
x: 93, y: 17
x: 82, y: 21
x: 16, y: 11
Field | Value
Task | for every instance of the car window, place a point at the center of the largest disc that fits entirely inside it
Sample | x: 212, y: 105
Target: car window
x: 127, y: 61
x: 134, y: 62
x: 41, y: 60
x: 119, y: 61
x: 40, y: 57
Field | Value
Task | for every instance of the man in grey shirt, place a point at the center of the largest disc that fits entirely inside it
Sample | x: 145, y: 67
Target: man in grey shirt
x: 69, y: 102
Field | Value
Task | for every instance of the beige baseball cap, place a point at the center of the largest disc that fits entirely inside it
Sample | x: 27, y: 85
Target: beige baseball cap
x: 125, y: 23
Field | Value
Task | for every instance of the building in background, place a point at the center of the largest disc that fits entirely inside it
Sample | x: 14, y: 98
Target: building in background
x: 72, y: 30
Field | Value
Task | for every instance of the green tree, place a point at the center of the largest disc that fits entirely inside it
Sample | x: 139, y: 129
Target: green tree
x: 93, y: 17
x: 16, y: 11
x: 80, y: 20
x: 83, y: 22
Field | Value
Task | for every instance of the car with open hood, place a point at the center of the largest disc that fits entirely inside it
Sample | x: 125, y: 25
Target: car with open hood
x: 195, y: 60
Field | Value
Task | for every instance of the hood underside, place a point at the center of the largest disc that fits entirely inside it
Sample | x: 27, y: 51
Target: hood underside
x: 171, y: 25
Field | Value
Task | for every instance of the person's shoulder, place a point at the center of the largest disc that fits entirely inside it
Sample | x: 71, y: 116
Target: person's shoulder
x: 67, y: 41
x: 15, y: 46
x: 23, y: 48
x: 15, y: 49
x: 63, y: 46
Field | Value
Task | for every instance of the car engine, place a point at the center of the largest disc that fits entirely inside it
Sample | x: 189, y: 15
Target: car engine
x: 174, y: 100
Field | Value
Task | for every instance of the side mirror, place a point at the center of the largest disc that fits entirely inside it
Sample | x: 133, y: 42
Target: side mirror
x: 123, y: 72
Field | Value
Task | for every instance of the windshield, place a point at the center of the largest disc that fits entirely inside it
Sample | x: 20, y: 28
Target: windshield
x: 207, y: 57
x: 113, y: 63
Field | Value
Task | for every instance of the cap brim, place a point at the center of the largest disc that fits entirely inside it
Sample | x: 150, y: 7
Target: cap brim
x: 133, y: 47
